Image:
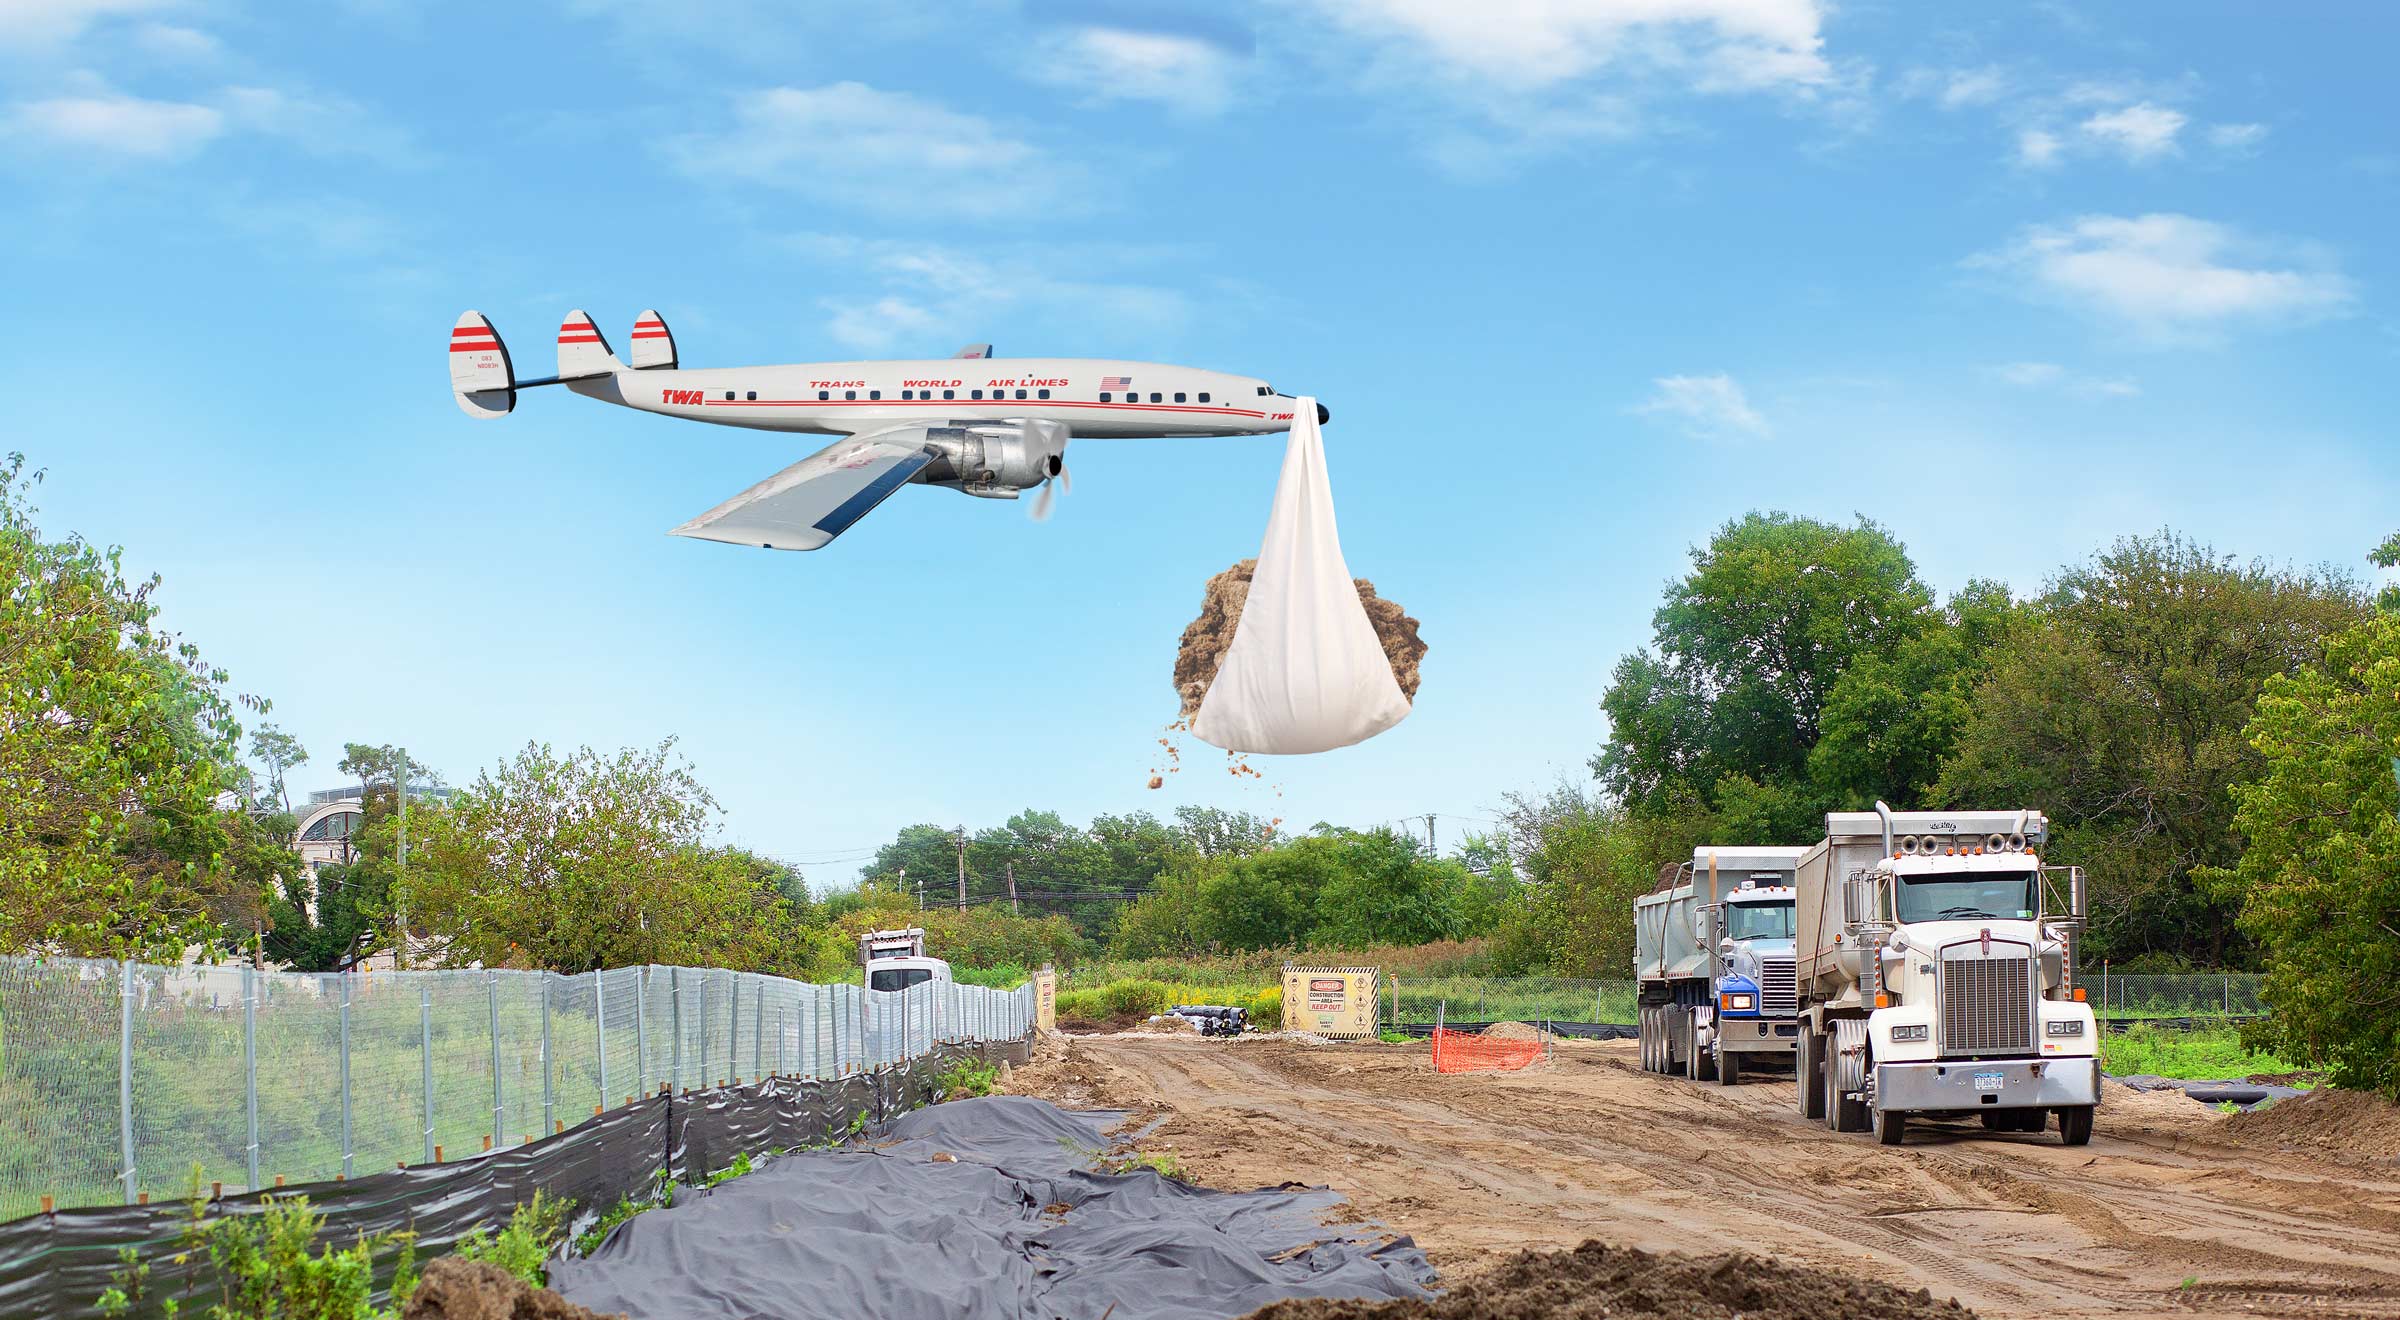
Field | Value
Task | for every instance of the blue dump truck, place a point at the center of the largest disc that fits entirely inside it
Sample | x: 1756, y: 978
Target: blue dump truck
x: 1713, y: 961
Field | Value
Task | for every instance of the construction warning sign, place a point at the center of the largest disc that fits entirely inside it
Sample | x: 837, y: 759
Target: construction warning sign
x: 1045, y: 1000
x: 1330, y: 1001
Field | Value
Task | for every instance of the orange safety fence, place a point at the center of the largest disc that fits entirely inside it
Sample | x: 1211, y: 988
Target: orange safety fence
x: 1460, y: 1051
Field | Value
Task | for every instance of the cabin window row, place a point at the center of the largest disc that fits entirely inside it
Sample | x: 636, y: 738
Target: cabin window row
x: 1106, y: 396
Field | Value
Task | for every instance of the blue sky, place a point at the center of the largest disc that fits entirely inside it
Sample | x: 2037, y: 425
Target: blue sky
x: 1579, y: 280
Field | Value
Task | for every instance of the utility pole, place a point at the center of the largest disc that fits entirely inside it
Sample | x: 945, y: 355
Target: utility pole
x: 400, y: 881
x: 1012, y: 888
x: 1430, y: 845
x: 961, y: 841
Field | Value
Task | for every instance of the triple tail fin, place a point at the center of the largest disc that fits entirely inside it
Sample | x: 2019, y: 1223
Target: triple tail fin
x: 582, y: 351
x: 653, y: 343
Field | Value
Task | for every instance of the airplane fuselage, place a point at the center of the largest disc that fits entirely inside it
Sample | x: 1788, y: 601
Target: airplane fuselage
x: 1095, y: 398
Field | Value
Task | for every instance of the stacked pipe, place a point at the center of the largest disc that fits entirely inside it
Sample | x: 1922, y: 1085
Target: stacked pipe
x: 1214, y: 1019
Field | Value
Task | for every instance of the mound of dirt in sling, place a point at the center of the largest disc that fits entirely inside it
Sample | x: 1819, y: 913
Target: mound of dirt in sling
x: 456, y: 1289
x: 1205, y: 641
x: 2328, y: 1119
x: 1620, y: 1283
x: 1512, y: 1031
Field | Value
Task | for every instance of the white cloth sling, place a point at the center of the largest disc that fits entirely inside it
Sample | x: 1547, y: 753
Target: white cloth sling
x: 1305, y: 672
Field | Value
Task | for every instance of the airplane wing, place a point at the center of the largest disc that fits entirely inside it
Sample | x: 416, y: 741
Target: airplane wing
x: 818, y: 498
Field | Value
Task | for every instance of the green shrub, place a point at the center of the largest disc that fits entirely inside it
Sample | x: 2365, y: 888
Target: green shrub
x: 967, y: 1079
x: 626, y: 1208
x: 522, y: 1248
x: 1136, y: 998
x: 264, y: 1265
x: 1005, y: 976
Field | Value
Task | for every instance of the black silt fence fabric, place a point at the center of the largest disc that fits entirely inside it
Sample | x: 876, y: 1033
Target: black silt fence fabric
x: 58, y: 1264
x: 984, y: 1209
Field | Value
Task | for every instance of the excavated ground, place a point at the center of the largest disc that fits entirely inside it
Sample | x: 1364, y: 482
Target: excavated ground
x: 2169, y: 1211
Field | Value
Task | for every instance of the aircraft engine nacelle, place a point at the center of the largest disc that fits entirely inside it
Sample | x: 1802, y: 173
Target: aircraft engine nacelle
x: 995, y: 461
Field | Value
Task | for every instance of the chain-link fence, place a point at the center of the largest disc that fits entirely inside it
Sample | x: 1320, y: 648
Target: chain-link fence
x: 2194, y: 994
x: 118, y: 1080
x: 1416, y: 999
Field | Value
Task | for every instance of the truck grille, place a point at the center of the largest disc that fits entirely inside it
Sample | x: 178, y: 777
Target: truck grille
x: 1987, y: 1002
x: 1775, y: 985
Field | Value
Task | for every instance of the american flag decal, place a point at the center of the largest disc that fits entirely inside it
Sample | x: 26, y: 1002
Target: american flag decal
x: 1115, y: 382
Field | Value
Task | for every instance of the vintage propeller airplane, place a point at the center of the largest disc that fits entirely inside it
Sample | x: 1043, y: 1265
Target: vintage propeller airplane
x: 981, y: 425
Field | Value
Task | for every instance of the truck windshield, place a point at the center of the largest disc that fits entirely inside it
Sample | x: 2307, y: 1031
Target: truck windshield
x: 1758, y: 921
x: 1966, y: 897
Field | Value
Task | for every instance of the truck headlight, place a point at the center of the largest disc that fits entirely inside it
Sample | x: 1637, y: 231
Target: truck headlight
x: 2073, y: 1027
x: 1738, y: 1003
x: 1918, y: 1031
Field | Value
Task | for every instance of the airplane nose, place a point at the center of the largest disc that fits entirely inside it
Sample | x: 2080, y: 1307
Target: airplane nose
x: 1324, y: 414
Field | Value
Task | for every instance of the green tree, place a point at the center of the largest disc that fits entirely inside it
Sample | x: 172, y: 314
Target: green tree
x: 1583, y: 863
x: 2117, y: 703
x: 379, y: 767
x: 585, y: 861
x: 1747, y: 650
x: 115, y: 740
x: 1169, y: 921
x: 2387, y: 555
x: 280, y: 753
x: 1892, y: 716
x: 326, y: 926
x: 2319, y: 884
x: 1385, y: 889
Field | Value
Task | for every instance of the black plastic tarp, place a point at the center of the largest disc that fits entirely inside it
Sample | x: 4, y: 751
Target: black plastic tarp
x: 999, y: 1207
x: 58, y: 1264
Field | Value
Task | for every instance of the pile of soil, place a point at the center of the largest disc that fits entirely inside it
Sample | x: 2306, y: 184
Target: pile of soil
x: 2328, y: 1119
x: 455, y: 1289
x: 1623, y: 1284
x: 1205, y: 642
x: 1512, y: 1031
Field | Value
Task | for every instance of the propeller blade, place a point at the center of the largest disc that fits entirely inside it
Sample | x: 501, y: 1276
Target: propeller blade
x: 1042, y: 502
x: 1066, y: 480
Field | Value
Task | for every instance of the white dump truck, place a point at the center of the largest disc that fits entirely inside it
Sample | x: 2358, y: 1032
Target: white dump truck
x: 1713, y: 964
x: 896, y: 959
x: 1936, y: 971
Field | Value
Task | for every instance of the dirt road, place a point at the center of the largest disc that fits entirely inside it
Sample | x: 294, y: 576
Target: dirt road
x: 2159, y: 1216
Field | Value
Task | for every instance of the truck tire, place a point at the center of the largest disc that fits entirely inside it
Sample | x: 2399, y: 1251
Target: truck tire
x: 1649, y: 1029
x: 1811, y: 1080
x: 2075, y: 1125
x: 1729, y: 1066
x: 1891, y: 1126
x: 1698, y: 1064
x: 1842, y: 1114
x: 2032, y: 1120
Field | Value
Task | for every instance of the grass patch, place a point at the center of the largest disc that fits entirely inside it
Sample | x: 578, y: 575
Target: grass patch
x: 2212, y: 1052
x: 967, y: 1079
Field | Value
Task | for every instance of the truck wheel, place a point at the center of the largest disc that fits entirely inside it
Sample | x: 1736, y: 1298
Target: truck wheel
x: 2075, y: 1125
x: 1842, y: 1114
x: 1729, y: 1066
x: 1891, y: 1126
x: 1811, y: 1079
x: 2032, y: 1120
x: 1698, y: 1065
x: 1649, y: 1029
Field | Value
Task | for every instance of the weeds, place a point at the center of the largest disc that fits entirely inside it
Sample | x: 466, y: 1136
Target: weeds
x: 523, y: 1247
x: 2208, y: 1053
x: 263, y: 1266
x: 1162, y: 1163
x: 968, y: 1079
x: 740, y: 1167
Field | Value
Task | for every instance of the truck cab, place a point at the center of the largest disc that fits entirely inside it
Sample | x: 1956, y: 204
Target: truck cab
x: 896, y: 959
x: 1753, y: 1012
x: 1938, y: 977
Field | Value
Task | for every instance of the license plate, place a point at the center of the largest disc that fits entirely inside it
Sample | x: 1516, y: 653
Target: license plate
x: 1988, y: 1081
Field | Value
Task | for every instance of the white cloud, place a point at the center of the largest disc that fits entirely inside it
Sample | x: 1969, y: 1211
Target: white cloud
x: 976, y: 290
x: 1717, y: 44
x: 873, y: 327
x: 1708, y: 407
x: 116, y: 124
x: 48, y: 22
x: 319, y: 124
x: 850, y: 143
x: 1957, y: 89
x: 1110, y: 64
x: 2170, y: 277
x: 2142, y: 131
x: 2037, y: 148
x: 177, y: 45
x: 2243, y: 139
x: 2050, y: 375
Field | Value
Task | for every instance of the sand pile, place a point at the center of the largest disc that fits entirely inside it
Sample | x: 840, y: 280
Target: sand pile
x: 1594, y: 1281
x: 1205, y: 641
x: 456, y: 1289
x: 1512, y: 1031
x: 2328, y: 1119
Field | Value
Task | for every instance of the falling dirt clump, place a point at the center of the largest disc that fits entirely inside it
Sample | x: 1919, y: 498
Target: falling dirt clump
x: 2329, y: 1120
x: 454, y: 1288
x: 1221, y: 602
x: 1512, y: 1031
x: 1618, y: 1282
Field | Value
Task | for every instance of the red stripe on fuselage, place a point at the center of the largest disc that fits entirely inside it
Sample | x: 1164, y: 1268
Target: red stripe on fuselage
x: 952, y: 404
